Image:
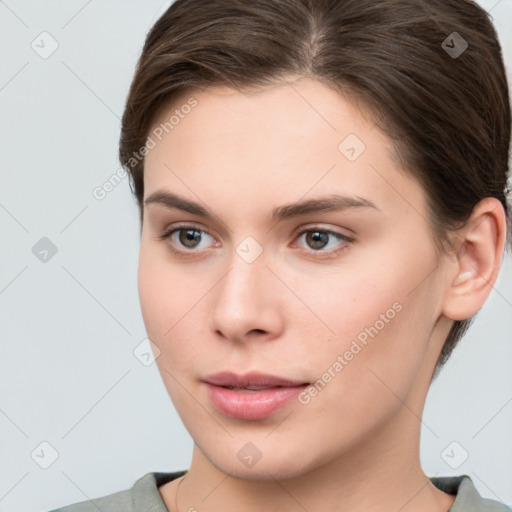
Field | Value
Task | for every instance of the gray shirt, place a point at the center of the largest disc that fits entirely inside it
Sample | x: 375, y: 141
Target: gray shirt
x: 144, y: 496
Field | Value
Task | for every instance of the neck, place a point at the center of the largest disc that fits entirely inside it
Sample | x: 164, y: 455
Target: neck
x: 382, y: 475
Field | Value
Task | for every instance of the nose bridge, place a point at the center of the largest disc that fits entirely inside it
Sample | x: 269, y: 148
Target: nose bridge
x: 244, y: 301
x: 241, y: 285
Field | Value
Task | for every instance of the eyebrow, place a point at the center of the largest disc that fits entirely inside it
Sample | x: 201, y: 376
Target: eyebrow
x: 333, y: 202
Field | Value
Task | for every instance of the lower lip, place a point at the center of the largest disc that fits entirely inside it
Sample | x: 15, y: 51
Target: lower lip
x: 251, y: 405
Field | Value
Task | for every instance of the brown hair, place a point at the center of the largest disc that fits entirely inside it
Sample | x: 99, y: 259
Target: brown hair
x: 431, y: 73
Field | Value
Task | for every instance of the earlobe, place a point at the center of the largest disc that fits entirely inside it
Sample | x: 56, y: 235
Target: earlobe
x: 476, y: 260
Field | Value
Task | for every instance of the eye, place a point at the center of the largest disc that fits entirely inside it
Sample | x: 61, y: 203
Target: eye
x: 186, y: 238
x: 324, y: 240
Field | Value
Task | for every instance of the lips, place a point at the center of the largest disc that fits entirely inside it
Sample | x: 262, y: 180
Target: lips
x: 251, y: 396
x: 250, y: 380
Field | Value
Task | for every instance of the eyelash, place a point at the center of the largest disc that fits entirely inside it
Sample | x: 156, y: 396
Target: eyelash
x: 188, y: 227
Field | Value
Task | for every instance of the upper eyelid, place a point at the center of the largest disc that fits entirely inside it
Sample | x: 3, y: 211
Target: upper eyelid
x: 298, y: 231
x: 168, y: 232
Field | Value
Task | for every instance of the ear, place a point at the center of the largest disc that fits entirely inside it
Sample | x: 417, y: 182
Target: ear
x: 476, y: 258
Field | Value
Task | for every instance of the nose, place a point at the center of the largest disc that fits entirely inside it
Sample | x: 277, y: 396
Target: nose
x: 247, y: 302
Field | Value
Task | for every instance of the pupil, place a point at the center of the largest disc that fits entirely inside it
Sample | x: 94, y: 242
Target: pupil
x: 317, y: 239
x: 188, y: 237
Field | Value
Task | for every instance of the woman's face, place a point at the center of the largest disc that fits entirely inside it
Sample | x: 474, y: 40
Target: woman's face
x: 298, y: 250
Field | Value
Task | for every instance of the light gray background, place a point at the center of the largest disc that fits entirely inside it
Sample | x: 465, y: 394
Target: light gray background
x: 68, y: 327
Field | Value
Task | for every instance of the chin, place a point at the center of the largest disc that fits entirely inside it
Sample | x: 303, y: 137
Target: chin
x: 278, y: 470
x: 276, y: 465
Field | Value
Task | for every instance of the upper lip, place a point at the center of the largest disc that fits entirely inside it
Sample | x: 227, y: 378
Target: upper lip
x: 251, y: 379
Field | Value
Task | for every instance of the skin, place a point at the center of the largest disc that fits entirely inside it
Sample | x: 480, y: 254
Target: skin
x: 292, y: 311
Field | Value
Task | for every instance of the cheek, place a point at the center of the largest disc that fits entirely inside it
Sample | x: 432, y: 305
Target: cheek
x: 345, y: 305
x: 161, y: 294
x: 162, y: 286
x: 171, y: 301
x: 365, y: 372
x: 162, y: 308
x: 376, y: 327
x: 150, y: 293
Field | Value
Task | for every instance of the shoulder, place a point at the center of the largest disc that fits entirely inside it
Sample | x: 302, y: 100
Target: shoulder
x: 113, y: 502
x: 468, y: 499
x: 143, y: 495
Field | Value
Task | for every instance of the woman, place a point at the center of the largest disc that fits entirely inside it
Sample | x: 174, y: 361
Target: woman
x: 323, y: 205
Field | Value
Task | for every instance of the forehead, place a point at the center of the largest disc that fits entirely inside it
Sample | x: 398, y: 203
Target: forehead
x: 286, y: 140
x: 311, y: 102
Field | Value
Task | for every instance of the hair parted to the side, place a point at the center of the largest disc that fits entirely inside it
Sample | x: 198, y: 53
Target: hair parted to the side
x: 449, y: 118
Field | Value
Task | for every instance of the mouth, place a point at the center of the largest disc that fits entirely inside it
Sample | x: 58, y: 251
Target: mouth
x: 251, y: 396
x: 251, y: 388
x: 252, y: 380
